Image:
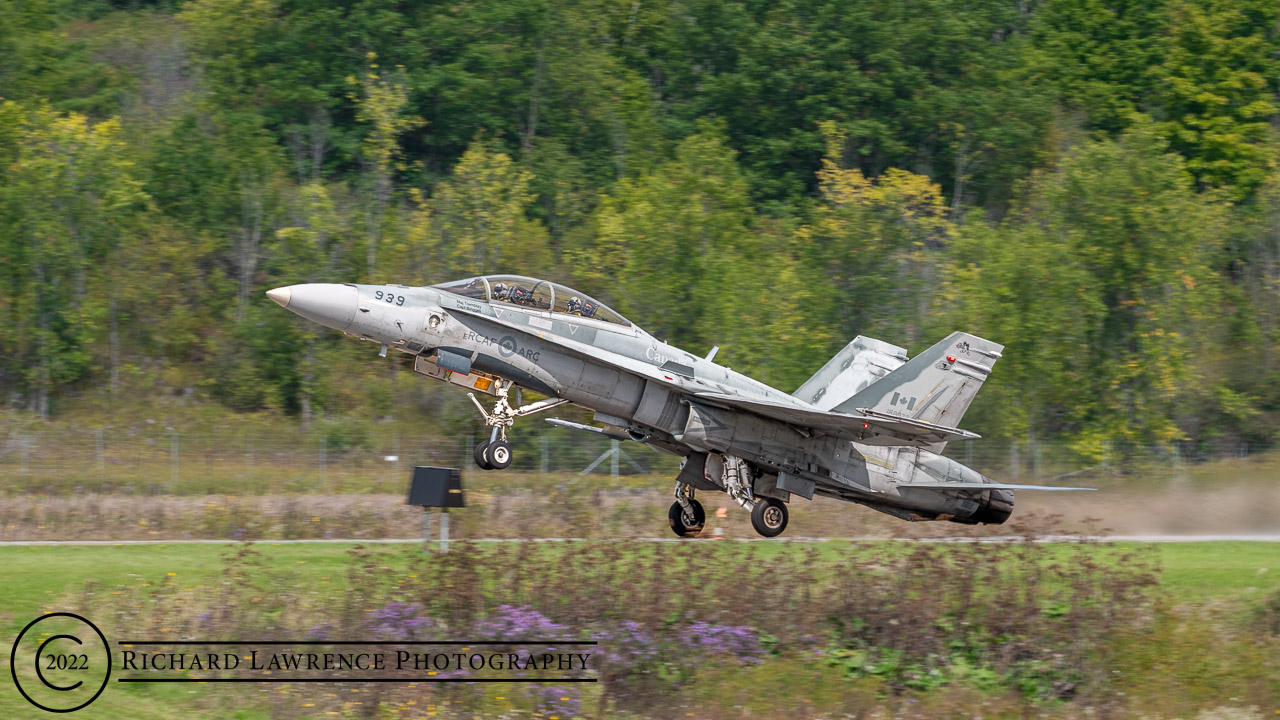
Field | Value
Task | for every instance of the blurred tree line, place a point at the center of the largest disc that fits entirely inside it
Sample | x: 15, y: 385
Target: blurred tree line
x: 1094, y: 184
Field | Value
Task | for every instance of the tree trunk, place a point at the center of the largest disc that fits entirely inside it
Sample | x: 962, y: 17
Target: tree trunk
x: 538, y: 67
x: 308, y: 377
x: 382, y: 191
x: 115, y: 345
x: 250, y: 239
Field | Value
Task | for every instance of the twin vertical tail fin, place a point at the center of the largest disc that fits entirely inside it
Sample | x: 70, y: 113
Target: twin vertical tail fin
x: 935, y: 386
x: 861, y: 363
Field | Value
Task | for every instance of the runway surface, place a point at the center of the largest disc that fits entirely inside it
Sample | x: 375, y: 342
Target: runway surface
x: 1263, y: 537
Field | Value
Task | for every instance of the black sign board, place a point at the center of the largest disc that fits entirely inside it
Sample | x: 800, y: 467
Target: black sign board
x: 436, y: 487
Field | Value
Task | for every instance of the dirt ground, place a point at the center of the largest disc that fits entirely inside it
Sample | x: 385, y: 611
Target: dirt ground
x: 1246, y: 503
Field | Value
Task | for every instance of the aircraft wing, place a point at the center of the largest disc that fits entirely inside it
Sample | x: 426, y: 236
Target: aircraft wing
x: 868, y: 428
x: 979, y: 487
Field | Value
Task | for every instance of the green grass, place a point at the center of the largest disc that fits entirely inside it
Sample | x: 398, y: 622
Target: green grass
x: 1219, y: 570
x: 36, y: 579
x: 38, y: 575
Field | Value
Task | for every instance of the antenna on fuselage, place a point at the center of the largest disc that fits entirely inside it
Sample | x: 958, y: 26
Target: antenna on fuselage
x: 712, y: 355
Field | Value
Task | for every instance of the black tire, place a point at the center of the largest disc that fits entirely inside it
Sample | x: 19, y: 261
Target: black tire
x: 675, y: 518
x: 499, y: 454
x: 769, y: 517
x: 482, y: 456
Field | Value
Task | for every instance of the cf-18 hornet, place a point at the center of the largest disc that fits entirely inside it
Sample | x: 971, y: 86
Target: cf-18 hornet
x: 869, y: 427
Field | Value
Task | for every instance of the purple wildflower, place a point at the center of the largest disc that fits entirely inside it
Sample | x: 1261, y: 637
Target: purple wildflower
x: 712, y: 639
x: 521, y: 623
x: 625, y: 650
x: 399, y: 621
x: 319, y: 632
x: 556, y: 701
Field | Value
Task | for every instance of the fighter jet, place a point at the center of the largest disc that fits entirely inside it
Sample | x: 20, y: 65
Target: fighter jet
x: 869, y: 427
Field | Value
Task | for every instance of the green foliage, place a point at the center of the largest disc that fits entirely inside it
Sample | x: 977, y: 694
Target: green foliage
x: 667, y: 244
x: 1095, y: 185
x: 478, y: 219
x: 1216, y: 90
x: 1103, y: 280
x: 69, y: 202
x: 876, y: 243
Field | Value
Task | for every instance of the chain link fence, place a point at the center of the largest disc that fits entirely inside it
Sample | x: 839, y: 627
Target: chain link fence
x: 161, y: 461
x: 168, y: 462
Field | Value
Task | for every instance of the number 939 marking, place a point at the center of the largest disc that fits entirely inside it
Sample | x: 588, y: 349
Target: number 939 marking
x: 389, y: 298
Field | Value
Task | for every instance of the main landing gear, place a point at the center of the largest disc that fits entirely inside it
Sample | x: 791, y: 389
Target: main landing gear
x: 495, y: 453
x: 735, y: 477
x: 687, y: 518
x: 686, y: 515
x: 769, y: 517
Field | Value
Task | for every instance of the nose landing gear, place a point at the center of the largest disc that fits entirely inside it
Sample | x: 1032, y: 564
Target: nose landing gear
x: 495, y: 453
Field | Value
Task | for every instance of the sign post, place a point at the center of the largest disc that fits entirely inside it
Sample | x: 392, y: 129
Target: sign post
x: 436, y: 487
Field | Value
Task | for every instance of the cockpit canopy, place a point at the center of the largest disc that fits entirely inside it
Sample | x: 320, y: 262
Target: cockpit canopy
x: 533, y: 294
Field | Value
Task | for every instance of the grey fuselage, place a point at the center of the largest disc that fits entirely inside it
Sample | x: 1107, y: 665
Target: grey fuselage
x: 643, y: 388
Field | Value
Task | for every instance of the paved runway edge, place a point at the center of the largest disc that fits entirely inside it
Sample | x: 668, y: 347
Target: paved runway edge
x: 1264, y: 537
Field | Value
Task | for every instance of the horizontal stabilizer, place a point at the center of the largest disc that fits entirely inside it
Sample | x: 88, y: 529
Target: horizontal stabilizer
x: 978, y: 487
x: 909, y: 428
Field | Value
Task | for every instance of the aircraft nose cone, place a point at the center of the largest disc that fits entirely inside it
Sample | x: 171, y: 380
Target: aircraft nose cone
x: 281, y: 296
x: 329, y: 304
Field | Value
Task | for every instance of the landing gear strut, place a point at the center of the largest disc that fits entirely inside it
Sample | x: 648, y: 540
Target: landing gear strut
x: 495, y: 453
x: 686, y: 515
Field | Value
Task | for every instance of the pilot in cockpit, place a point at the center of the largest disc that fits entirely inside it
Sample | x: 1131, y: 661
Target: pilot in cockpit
x: 576, y: 306
x: 519, y: 295
x: 500, y: 291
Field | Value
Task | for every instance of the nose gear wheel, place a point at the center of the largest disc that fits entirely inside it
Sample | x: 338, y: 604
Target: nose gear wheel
x: 495, y: 453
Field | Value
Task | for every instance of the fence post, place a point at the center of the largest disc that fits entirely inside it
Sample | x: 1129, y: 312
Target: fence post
x: 395, y: 453
x: 173, y: 455
x: 102, y: 463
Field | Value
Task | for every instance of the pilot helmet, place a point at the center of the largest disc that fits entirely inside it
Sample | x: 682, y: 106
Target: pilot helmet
x: 499, y: 290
